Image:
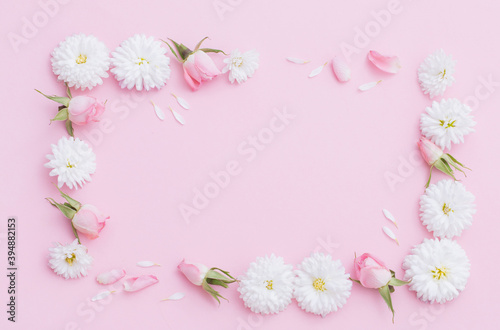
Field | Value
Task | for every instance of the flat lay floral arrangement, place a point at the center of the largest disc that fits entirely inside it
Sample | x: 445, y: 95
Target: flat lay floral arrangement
x: 437, y: 269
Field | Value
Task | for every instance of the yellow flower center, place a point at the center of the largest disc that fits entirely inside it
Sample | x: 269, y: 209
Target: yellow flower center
x: 141, y: 61
x: 81, y: 59
x: 439, y: 273
x: 238, y: 61
x: 70, y: 165
x: 71, y: 260
x: 269, y: 285
x: 319, y: 284
x: 448, y: 123
x: 447, y: 209
x: 443, y: 74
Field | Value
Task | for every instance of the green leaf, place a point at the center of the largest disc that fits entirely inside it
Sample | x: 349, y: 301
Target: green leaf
x: 59, y: 99
x: 386, y: 294
x: 68, y: 91
x: 61, y: 115
x: 67, y: 211
x: 395, y: 282
x: 69, y: 127
x: 199, y: 44
x: 211, y: 50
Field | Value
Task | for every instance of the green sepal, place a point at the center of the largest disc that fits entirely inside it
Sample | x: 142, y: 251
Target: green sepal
x: 211, y: 50
x: 183, y: 51
x: 75, y: 232
x: 217, y: 282
x: 354, y: 280
x: 68, y: 91
x: 199, y: 44
x: 386, y: 294
x: 391, y: 289
x: 69, y: 127
x: 212, y: 292
x: 59, y: 99
x: 67, y: 211
x: 172, y: 50
x: 430, y: 176
x: 456, y: 161
x: 443, y: 166
x: 395, y: 282
x: 61, y: 115
x: 72, y: 202
x: 217, y: 276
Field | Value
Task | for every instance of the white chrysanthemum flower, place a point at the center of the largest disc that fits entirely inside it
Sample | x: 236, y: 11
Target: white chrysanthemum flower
x: 267, y: 286
x: 446, y: 122
x: 241, y: 65
x: 141, y: 62
x: 435, y: 74
x: 72, y: 160
x: 447, y: 208
x: 81, y: 61
x: 70, y: 261
x: 438, y: 270
x: 321, y: 286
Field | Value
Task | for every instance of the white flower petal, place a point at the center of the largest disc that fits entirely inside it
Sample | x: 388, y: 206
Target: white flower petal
x: 159, y: 112
x: 390, y: 217
x: 369, y: 85
x: 71, y: 260
x: 435, y: 74
x: 177, y: 116
x: 183, y: 103
x: 341, y: 69
x: 147, y: 264
x: 389, y: 233
x: 241, y: 66
x: 102, y: 295
x: 297, y: 60
x: 317, y: 71
x: 175, y: 296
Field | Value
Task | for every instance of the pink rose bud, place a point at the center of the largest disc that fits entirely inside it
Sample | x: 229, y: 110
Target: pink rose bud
x: 195, y: 273
x: 89, y: 221
x: 84, y: 109
x: 431, y: 152
x: 371, y: 272
x: 199, y: 67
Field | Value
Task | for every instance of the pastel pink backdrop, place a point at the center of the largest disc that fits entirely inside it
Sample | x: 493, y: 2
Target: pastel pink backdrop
x: 322, y: 179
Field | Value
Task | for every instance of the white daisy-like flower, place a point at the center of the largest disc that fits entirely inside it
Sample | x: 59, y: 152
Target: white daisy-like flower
x: 141, y: 62
x: 267, y: 286
x: 241, y: 65
x: 446, y: 122
x: 438, y: 270
x: 447, y: 208
x: 321, y: 286
x: 72, y: 160
x: 81, y: 61
x: 71, y: 260
x: 435, y: 74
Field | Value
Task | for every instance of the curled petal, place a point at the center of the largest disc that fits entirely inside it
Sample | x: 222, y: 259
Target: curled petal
x: 389, y: 64
x: 138, y: 283
x: 341, y: 70
x: 110, y: 277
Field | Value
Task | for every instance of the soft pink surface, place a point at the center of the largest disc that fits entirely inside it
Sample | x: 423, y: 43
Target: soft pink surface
x: 321, y: 179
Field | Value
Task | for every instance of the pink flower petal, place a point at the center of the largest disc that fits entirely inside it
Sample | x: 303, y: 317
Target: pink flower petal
x: 389, y: 64
x: 111, y: 277
x: 341, y: 70
x: 138, y: 283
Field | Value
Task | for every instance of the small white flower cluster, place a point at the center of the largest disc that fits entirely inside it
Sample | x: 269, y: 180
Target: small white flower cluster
x: 319, y: 284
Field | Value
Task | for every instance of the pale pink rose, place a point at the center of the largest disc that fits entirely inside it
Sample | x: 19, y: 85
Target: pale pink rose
x: 89, y: 221
x: 429, y: 151
x: 195, y: 273
x: 84, y: 109
x: 371, y: 272
x: 199, y: 67
x: 132, y: 284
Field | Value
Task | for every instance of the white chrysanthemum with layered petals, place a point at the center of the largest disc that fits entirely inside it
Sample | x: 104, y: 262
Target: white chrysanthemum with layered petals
x: 267, y: 286
x: 447, y: 208
x: 72, y: 160
x: 241, y: 66
x: 141, y: 62
x: 321, y: 286
x: 71, y: 260
x: 446, y: 122
x: 435, y: 74
x: 438, y: 270
x: 81, y: 61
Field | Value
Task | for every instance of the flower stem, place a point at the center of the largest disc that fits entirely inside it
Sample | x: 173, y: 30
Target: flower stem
x: 75, y: 233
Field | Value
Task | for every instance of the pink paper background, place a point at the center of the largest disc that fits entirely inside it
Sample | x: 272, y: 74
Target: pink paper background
x: 319, y: 185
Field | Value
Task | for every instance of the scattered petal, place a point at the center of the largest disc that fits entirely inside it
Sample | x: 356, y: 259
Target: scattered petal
x: 138, y: 283
x: 297, y: 60
x: 317, y: 71
x: 147, y: 264
x: 111, y: 277
x: 389, y: 233
x: 102, y: 295
x: 183, y: 103
x: 389, y: 216
x: 159, y: 111
x: 175, y: 296
x: 369, y: 85
x: 389, y: 64
x: 341, y: 70
x: 177, y: 116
